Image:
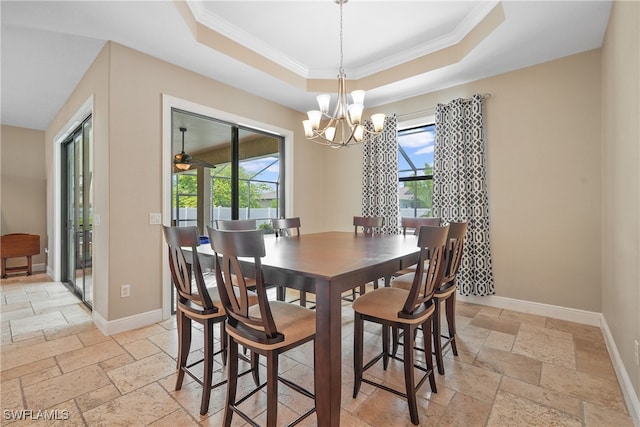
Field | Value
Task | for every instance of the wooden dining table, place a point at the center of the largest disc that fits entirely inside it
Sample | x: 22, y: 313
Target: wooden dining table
x: 328, y: 264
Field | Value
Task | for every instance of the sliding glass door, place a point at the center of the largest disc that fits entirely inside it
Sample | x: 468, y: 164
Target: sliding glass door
x: 77, y: 211
x: 246, y: 182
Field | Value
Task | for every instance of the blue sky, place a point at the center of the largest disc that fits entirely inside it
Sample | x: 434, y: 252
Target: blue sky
x: 419, y: 147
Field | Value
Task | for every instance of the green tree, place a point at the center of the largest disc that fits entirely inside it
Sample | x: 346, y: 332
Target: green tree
x: 187, y: 186
x: 422, y: 190
x: 250, y: 195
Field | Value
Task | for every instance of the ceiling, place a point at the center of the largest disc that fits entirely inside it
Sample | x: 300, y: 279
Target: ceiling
x: 286, y: 51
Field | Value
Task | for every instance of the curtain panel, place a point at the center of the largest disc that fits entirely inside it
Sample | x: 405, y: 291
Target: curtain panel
x: 380, y: 176
x: 460, y: 187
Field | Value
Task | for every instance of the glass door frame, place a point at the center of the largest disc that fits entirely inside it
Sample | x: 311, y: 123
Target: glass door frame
x: 76, y: 221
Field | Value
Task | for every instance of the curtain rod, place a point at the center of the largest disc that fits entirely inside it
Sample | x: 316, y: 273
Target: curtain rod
x: 432, y: 110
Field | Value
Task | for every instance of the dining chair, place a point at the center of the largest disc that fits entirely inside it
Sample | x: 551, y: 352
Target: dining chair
x: 236, y: 224
x: 201, y: 305
x: 445, y: 292
x: 269, y: 328
x: 405, y: 310
x: 366, y: 225
x: 288, y: 227
x: 412, y: 223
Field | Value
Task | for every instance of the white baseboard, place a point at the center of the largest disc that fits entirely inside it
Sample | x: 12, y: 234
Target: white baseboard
x: 571, y: 315
x: 112, y: 327
x: 630, y: 397
x: 563, y: 313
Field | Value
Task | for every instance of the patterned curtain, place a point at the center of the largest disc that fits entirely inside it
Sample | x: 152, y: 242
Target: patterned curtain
x: 460, y: 188
x: 380, y: 176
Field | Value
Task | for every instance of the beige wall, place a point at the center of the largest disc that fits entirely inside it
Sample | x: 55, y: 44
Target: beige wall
x: 621, y: 181
x: 543, y: 155
x: 23, y: 207
x: 127, y: 88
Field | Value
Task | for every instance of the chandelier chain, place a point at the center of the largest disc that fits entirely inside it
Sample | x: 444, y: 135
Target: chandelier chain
x: 341, y: 46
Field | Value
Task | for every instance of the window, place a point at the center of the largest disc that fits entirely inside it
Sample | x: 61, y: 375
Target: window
x: 415, y: 170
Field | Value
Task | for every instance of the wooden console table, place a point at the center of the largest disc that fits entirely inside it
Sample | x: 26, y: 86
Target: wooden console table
x: 18, y: 245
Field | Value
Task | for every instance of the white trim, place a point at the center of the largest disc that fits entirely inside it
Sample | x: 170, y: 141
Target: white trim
x: 169, y: 102
x: 563, y: 313
x: 124, y: 324
x: 572, y: 315
x: 630, y: 396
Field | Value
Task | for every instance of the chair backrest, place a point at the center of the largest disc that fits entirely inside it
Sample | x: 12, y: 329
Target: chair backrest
x: 181, y: 270
x: 455, y: 246
x: 286, y: 226
x: 236, y: 224
x: 428, y: 276
x: 369, y: 224
x: 415, y: 223
x: 228, y: 246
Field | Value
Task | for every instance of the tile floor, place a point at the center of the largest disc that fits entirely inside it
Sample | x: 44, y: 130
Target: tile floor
x: 514, y: 369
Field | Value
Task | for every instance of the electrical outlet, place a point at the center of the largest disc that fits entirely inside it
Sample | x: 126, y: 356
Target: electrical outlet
x: 636, y: 351
x: 125, y: 290
x: 155, y: 218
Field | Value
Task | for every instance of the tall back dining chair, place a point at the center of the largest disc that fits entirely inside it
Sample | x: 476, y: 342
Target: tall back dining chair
x: 236, y: 224
x: 405, y: 310
x: 201, y: 305
x: 412, y: 223
x: 288, y: 227
x: 268, y: 328
x: 368, y: 224
x: 447, y: 291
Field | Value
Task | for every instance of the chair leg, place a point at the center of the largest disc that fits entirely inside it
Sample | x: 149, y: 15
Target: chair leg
x: 303, y: 298
x: 232, y: 381
x: 280, y: 293
x: 255, y: 366
x: 437, y: 336
x: 385, y: 346
x: 184, y: 346
x: 450, y: 310
x: 223, y: 343
x: 208, y: 367
x: 395, y: 336
x: 272, y: 389
x: 426, y: 330
x: 409, y: 378
x: 357, y: 354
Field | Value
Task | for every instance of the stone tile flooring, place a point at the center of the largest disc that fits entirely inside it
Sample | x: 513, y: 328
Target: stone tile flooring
x: 513, y: 369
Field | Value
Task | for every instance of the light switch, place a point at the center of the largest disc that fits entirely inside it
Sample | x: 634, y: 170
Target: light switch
x: 155, y: 218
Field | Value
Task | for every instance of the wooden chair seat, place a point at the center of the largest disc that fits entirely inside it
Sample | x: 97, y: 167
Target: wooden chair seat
x: 295, y: 323
x: 386, y: 304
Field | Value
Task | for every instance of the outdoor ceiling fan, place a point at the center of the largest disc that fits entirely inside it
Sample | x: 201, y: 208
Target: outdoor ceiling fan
x: 184, y: 161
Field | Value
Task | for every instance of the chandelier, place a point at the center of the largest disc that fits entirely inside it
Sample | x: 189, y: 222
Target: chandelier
x: 345, y: 122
